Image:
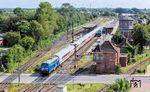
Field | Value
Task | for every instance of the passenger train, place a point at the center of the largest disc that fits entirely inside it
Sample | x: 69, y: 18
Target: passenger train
x: 51, y: 64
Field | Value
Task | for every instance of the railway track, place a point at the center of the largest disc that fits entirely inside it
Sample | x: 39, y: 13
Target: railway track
x: 70, y: 63
x: 47, y: 88
x: 135, y: 67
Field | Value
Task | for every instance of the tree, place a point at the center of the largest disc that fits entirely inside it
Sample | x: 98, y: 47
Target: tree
x: 12, y: 38
x: 121, y: 85
x: 140, y: 36
x: 137, y: 11
x: 118, y: 69
x: 19, y: 12
x: 45, y: 15
x: 147, y: 28
x: 37, y: 31
x: 121, y: 10
x: 69, y: 13
x: 27, y: 42
x: 61, y: 24
x: 15, y: 54
x: 23, y: 27
x: 117, y: 38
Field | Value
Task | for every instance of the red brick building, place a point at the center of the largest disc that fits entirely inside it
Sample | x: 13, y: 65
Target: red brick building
x: 107, y: 56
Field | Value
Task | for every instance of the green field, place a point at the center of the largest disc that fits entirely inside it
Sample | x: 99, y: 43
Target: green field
x: 84, y: 87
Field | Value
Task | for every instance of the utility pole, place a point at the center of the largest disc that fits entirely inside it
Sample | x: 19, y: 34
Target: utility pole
x: 75, y: 55
x: 18, y: 68
x: 72, y: 34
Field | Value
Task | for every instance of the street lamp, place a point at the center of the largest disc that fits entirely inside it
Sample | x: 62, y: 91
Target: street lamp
x: 19, y: 71
x: 72, y: 34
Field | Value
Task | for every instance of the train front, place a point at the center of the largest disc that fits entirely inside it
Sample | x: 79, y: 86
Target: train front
x: 44, y: 69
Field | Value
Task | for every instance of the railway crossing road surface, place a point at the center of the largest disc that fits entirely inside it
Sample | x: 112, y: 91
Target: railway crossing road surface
x: 70, y: 79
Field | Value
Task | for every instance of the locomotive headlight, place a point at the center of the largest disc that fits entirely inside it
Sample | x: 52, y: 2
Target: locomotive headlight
x: 42, y: 69
x: 46, y: 68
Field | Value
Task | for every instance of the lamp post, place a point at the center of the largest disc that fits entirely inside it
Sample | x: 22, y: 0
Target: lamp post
x: 18, y: 68
x: 72, y: 33
x: 75, y: 55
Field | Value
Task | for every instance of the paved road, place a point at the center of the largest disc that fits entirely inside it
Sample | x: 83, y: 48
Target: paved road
x: 70, y: 79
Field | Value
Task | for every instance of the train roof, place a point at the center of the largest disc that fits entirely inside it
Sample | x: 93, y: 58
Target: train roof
x: 78, y: 42
x: 49, y: 61
x: 65, y: 51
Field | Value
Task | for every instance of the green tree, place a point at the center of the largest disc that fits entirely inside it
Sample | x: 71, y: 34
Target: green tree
x: 23, y: 27
x: 12, y: 38
x: 27, y: 42
x: 45, y: 15
x: 147, y: 28
x: 117, y: 38
x: 140, y: 36
x: 121, y: 85
x: 61, y: 24
x: 69, y: 13
x: 15, y: 54
x: 19, y: 12
x: 37, y: 31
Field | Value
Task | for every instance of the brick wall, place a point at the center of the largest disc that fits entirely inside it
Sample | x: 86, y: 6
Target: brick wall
x: 108, y: 64
x: 123, y: 61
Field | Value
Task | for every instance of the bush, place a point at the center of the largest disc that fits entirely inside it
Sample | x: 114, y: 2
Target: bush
x: 120, y: 85
x: 118, y: 69
x: 133, y: 60
x: 37, y: 68
x: 141, y: 71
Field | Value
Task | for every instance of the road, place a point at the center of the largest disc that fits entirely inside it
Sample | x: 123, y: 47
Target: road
x: 71, y: 79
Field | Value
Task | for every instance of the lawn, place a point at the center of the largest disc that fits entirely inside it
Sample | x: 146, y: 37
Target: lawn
x: 85, y: 59
x: 84, y: 87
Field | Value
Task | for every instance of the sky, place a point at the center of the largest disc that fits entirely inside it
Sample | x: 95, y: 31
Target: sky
x: 78, y: 3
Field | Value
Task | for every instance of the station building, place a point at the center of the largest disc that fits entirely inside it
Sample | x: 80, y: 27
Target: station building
x: 107, y: 56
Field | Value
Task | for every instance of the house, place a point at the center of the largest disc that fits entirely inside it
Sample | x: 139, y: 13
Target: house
x: 126, y: 26
x: 107, y: 56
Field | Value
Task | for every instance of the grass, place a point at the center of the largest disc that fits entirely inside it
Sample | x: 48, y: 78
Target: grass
x: 85, y: 59
x: 2, y: 48
x: 17, y: 88
x: 138, y: 59
x: 143, y: 68
x: 84, y: 87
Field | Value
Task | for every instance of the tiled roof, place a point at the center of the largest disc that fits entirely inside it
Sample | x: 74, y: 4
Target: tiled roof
x: 107, y: 46
x: 125, y: 18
